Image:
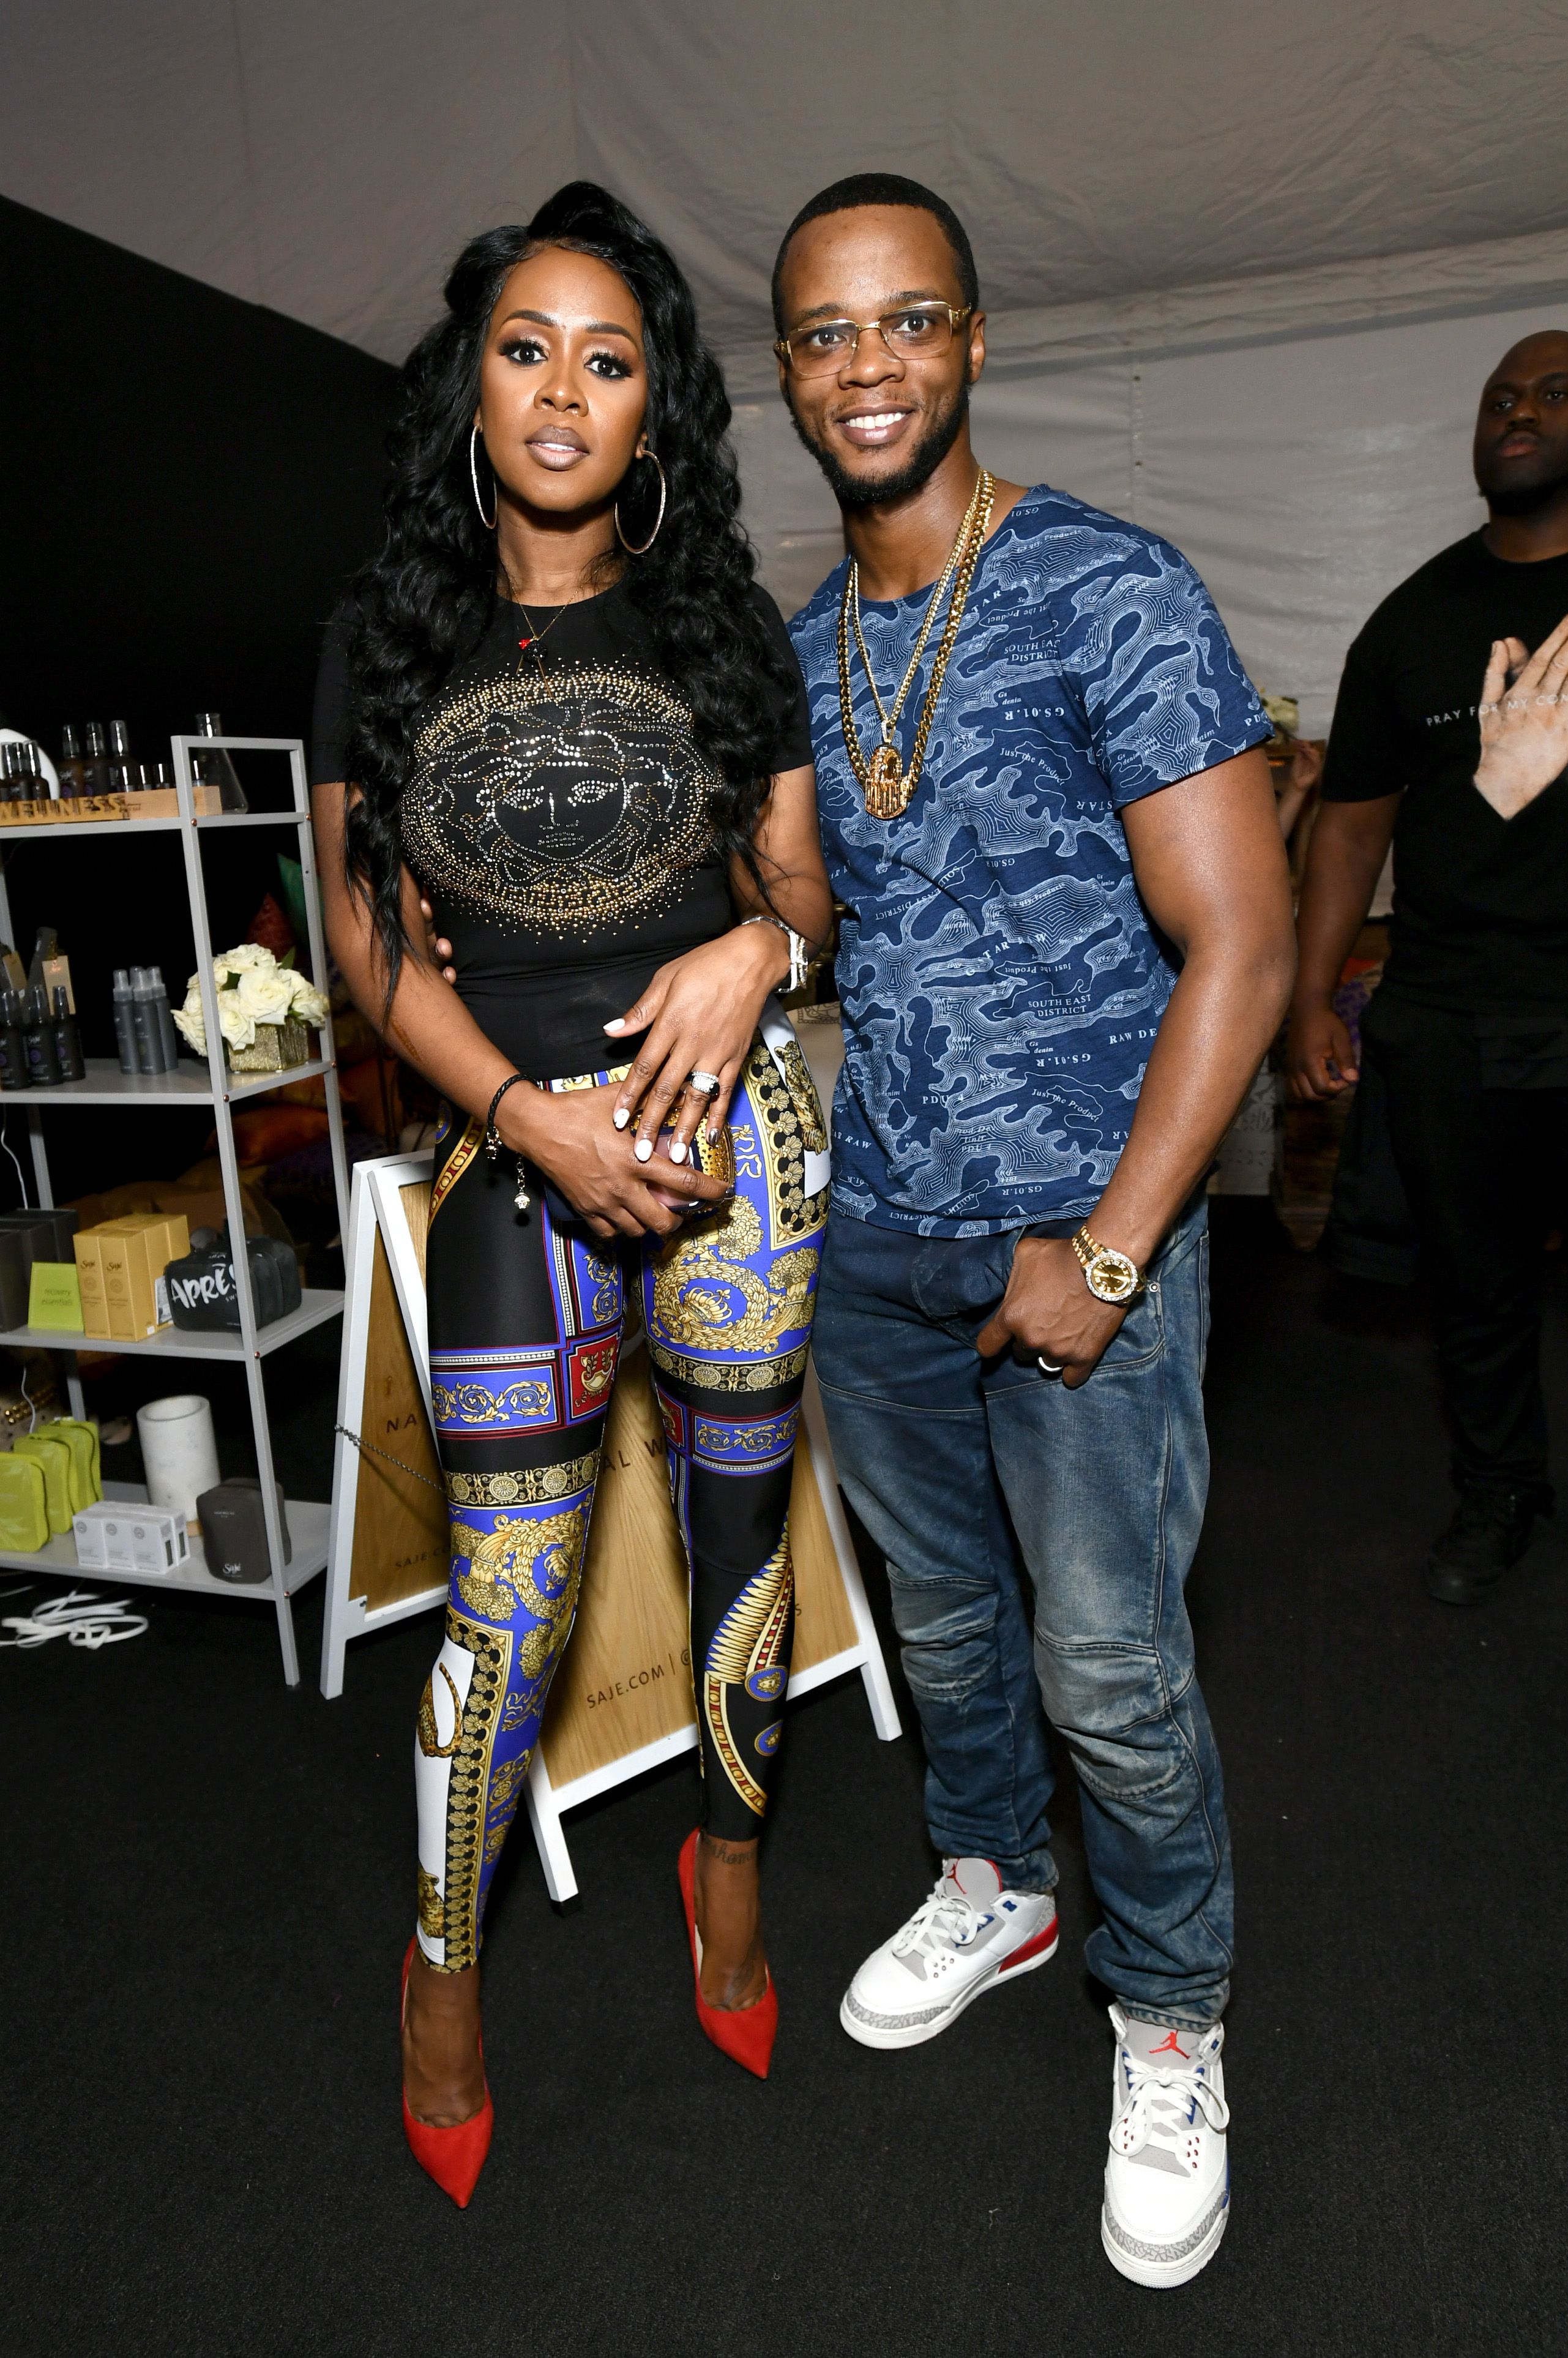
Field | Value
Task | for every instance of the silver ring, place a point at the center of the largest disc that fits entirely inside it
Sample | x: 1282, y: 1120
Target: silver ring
x: 1049, y: 1366
x: 706, y: 1085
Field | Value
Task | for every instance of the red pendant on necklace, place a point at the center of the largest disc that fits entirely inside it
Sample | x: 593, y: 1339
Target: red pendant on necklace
x: 524, y: 645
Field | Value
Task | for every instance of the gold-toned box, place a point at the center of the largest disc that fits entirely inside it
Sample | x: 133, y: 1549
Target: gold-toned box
x: 277, y: 1045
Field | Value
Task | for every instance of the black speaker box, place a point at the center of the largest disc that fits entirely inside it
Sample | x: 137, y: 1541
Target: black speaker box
x: 233, y: 1531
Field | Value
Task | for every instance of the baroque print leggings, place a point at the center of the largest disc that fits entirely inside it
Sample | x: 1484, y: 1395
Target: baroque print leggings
x: 525, y: 1323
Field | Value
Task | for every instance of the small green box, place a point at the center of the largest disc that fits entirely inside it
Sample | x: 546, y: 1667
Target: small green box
x: 54, y: 1298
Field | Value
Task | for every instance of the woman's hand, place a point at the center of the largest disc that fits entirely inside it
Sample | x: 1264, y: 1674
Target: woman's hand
x: 700, y: 1014
x: 571, y: 1136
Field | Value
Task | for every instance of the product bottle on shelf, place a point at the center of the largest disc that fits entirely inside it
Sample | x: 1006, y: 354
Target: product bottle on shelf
x: 43, y: 1060
x: 95, y: 768
x: 73, y: 771
x: 30, y: 784
x: 144, y: 1018
x: 67, y: 1038
x: 13, y: 1071
x: 20, y: 781
x: 125, y: 1022
x: 168, y: 1038
x: 215, y: 769
x: 124, y: 774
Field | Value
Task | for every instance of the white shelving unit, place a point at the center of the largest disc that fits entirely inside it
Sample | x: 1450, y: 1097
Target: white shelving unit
x: 106, y: 1086
x: 307, y: 1524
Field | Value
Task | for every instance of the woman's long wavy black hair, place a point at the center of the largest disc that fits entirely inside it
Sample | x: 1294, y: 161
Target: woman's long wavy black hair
x: 422, y: 605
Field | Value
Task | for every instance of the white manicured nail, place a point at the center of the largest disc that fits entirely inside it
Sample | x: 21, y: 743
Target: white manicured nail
x: 621, y: 1117
x: 644, y: 1149
x: 619, y: 1025
x: 677, y: 1153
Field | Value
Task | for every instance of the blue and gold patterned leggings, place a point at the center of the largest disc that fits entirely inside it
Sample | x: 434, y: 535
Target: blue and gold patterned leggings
x: 525, y: 1321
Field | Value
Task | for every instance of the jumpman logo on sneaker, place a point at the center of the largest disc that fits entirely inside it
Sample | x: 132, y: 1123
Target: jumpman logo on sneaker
x: 1168, y: 2046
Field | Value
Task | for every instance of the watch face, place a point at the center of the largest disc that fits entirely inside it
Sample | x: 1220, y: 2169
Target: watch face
x: 1112, y: 1276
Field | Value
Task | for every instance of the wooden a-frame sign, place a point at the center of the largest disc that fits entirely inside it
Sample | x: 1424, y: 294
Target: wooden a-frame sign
x: 622, y: 1701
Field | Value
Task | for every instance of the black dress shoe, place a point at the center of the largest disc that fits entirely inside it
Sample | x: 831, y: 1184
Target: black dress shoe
x: 1490, y: 1531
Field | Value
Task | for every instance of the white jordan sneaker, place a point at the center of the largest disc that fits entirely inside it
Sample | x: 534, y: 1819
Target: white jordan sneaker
x: 1167, y: 2182
x: 969, y: 1936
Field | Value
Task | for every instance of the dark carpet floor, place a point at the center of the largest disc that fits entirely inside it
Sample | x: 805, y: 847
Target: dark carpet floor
x: 210, y: 1884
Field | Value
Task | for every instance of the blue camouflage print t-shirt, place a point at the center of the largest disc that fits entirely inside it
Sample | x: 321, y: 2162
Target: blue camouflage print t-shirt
x: 1000, y: 980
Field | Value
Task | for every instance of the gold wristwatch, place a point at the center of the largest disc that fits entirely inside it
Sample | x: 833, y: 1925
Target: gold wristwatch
x: 1110, y: 1276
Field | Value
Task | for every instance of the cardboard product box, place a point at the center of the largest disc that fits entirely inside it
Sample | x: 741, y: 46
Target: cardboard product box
x: 115, y: 1537
x: 54, y: 1297
x: 88, y: 1248
x: 133, y: 1254
x: 59, y: 1218
x: 25, y: 1237
x: 16, y: 1276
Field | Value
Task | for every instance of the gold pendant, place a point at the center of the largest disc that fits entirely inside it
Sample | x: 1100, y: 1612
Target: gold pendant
x: 887, y: 788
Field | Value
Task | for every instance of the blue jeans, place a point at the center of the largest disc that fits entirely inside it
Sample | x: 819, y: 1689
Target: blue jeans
x: 970, y: 1475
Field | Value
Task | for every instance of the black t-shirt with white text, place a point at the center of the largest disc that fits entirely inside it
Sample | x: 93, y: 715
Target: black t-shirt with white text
x: 1480, y: 920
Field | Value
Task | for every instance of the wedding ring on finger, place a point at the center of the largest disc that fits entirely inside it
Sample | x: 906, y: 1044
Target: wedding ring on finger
x: 1049, y: 1368
x: 703, y: 1085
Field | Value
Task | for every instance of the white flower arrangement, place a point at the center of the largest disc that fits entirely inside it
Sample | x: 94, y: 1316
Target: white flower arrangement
x: 251, y: 989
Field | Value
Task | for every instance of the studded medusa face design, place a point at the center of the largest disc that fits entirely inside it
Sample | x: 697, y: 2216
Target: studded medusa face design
x: 558, y: 798
x: 569, y: 775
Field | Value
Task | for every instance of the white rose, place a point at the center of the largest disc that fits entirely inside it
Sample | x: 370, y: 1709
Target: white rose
x: 238, y: 1027
x: 236, y: 961
x: 189, y: 1021
x: 265, y: 993
x: 309, y: 1004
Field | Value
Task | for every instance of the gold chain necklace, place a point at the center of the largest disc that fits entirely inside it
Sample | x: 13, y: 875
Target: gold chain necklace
x: 887, y: 786
x: 933, y: 608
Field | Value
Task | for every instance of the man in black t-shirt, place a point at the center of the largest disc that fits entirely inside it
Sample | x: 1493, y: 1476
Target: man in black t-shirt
x: 1451, y: 739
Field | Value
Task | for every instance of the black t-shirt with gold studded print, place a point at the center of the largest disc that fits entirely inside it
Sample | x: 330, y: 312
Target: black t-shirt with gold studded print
x: 556, y: 815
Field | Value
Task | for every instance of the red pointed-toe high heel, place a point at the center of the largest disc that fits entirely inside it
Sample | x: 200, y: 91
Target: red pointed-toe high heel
x: 746, y: 2035
x: 452, y: 2156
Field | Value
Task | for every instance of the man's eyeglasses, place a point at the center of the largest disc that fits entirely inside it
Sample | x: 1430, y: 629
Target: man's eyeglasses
x: 915, y: 331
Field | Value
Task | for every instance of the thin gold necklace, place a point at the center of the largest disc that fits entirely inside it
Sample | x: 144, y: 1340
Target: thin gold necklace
x: 530, y: 645
x: 887, y: 786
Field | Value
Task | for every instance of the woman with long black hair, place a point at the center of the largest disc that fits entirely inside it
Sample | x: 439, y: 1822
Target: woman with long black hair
x: 558, y: 705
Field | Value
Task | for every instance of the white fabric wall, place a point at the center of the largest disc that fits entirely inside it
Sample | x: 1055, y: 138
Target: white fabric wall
x: 1303, y: 478
x: 328, y: 158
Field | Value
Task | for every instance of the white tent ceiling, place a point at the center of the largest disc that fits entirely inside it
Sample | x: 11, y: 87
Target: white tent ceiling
x: 326, y: 157
x: 1247, y: 262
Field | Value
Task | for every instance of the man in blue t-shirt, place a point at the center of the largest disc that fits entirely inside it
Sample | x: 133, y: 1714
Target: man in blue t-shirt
x: 1066, y: 945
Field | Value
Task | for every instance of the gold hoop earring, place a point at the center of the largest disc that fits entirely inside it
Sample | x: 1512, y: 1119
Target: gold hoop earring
x: 663, y: 493
x: 488, y: 521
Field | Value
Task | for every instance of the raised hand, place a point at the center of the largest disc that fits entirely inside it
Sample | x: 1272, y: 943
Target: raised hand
x: 1524, y: 722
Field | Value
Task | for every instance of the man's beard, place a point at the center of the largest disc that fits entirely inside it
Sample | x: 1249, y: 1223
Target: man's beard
x: 1516, y: 498
x: 863, y: 492
x: 1526, y: 499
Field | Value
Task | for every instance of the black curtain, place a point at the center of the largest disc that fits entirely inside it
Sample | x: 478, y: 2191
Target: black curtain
x: 190, y: 480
